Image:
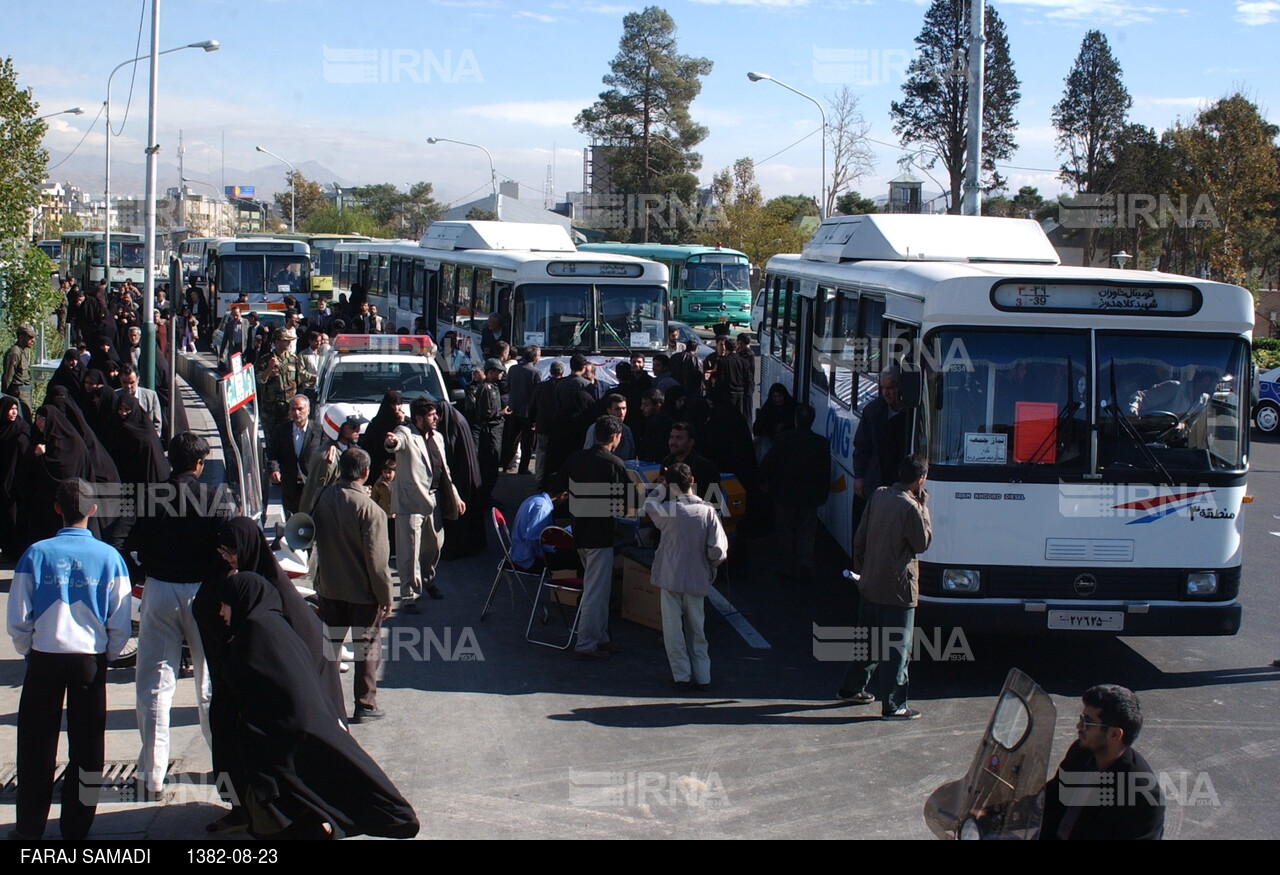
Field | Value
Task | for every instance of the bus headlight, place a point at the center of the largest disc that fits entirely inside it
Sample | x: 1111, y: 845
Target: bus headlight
x: 695, y: 308
x: 1202, y: 583
x: 961, y: 580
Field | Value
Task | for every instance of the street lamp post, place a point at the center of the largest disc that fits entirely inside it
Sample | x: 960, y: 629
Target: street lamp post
x: 757, y: 77
x: 493, y: 175
x: 75, y: 110
x: 149, y: 301
x: 292, y: 173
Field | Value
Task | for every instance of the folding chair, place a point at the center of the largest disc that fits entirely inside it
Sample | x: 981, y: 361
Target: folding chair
x: 506, y: 566
x: 561, y: 540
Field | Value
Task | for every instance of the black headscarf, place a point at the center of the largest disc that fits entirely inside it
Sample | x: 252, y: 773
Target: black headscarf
x: 466, y: 533
x: 773, y: 419
x: 375, y: 434
x: 303, y: 769
x: 102, y: 466
x: 15, y: 442
x: 134, y: 444
x: 99, y: 404
x: 69, y: 376
x: 64, y: 457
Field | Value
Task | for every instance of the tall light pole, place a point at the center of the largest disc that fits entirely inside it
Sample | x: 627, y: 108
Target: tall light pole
x: 292, y: 204
x: 758, y: 77
x: 493, y: 175
x: 149, y: 301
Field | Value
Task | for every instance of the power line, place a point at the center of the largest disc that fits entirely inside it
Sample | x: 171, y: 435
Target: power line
x: 82, y: 139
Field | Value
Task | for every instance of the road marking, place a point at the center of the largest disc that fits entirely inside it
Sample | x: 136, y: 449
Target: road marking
x: 737, y: 621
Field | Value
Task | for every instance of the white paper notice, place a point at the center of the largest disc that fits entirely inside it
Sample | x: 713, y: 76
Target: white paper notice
x: 985, y: 449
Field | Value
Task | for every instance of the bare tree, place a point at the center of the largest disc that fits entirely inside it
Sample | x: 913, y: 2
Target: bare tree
x: 851, y: 154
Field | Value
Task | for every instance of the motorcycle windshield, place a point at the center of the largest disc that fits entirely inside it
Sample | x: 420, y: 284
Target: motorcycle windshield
x: 1001, y: 797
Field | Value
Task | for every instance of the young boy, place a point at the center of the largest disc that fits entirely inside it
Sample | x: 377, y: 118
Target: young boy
x: 381, y: 494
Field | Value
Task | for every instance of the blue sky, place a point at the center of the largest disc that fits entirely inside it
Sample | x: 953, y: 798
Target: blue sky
x: 358, y: 87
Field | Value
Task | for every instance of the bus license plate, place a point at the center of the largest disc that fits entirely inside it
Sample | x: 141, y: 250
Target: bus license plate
x: 1089, y: 621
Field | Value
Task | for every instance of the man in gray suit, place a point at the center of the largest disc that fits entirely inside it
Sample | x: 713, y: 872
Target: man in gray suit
x: 353, y: 574
x: 422, y: 497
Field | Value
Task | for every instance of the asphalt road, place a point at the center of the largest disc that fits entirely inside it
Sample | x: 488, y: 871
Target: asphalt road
x: 493, y: 737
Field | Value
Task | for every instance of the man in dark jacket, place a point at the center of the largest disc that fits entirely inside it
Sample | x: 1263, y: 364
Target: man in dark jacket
x: 894, y: 529
x: 523, y: 380
x: 596, y: 478
x: 1104, y: 789
x: 542, y: 416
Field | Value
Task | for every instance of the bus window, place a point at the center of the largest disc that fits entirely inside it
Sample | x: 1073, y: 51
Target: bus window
x: 462, y: 300
x: 483, y: 297
x: 849, y: 357
x: 448, y: 285
x: 1012, y: 399
x: 787, y: 328
x: 821, y: 360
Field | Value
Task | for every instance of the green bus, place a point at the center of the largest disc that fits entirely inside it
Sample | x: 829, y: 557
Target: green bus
x: 709, y: 284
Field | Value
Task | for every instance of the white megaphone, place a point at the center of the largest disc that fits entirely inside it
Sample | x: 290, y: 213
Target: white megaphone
x: 300, y: 532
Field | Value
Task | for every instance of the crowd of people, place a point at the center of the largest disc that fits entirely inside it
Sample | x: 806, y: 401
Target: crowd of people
x: 399, y: 490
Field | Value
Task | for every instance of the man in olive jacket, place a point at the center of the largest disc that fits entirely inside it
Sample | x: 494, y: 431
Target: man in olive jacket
x: 893, y: 530
x: 353, y: 573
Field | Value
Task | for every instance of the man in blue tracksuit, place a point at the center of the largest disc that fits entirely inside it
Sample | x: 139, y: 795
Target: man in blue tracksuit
x: 69, y: 615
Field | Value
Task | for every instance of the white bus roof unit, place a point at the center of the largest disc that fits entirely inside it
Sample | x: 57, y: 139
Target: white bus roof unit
x: 497, y: 235
x: 913, y: 237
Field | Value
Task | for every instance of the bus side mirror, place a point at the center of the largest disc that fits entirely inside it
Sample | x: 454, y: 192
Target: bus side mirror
x: 909, y: 385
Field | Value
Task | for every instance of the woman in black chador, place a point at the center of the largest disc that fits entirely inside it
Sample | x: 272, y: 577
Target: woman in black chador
x: 15, y: 442
x: 306, y: 777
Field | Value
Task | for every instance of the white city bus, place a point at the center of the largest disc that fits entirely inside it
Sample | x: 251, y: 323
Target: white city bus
x: 82, y: 260
x: 264, y: 269
x: 1069, y: 488
x: 546, y: 292
x: 194, y: 254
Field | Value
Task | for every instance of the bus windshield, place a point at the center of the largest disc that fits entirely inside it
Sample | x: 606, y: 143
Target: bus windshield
x: 702, y: 276
x: 1172, y: 400
x: 1005, y: 398
x: 122, y: 254
x: 589, y: 318
x: 1165, y: 402
x: 256, y: 274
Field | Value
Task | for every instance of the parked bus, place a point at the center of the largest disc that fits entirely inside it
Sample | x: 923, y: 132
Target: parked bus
x: 545, y: 291
x: 709, y: 284
x: 1087, y: 467
x: 82, y: 260
x: 194, y: 254
x: 53, y: 249
x: 265, y: 269
x: 322, y: 245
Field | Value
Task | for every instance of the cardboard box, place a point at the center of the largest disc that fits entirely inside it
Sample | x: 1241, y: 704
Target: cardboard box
x: 641, y: 600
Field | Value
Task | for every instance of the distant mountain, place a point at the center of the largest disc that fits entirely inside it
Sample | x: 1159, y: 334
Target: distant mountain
x: 129, y: 178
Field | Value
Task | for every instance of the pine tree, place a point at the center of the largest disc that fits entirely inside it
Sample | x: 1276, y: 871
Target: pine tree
x: 645, y: 117
x: 933, y: 113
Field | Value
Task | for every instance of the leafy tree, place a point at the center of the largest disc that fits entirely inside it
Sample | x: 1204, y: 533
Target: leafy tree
x: 480, y: 214
x: 851, y: 155
x: 383, y: 200
x: 793, y: 207
x: 308, y: 197
x: 644, y: 118
x: 1140, y: 163
x: 420, y: 209
x: 1090, y: 119
x: 744, y: 221
x: 351, y: 220
x: 1229, y: 157
x: 933, y: 113
x: 851, y: 203
x: 25, y: 295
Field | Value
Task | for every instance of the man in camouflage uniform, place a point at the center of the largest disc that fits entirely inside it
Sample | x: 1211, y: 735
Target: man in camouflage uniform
x: 281, y: 375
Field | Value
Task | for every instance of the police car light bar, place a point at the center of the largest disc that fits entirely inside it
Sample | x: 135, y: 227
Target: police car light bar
x: 414, y: 344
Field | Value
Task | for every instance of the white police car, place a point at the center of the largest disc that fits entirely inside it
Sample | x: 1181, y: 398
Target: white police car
x: 1266, y: 412
x: 360, y: 368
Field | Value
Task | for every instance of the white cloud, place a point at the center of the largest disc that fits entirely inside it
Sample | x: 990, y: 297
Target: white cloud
x: 1178, y: 102
x: 537, y: 16
x: 1257, y: 13
x: 1118, y: 13
x: 532, y: 112
x: 775, y: 4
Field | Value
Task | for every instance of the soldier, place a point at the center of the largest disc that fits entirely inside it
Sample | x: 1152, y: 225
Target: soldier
x: 281, y: 375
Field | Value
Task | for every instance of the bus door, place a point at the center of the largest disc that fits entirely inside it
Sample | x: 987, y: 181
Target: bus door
x: 799, y: 339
